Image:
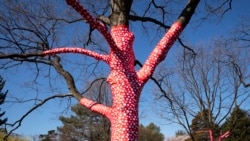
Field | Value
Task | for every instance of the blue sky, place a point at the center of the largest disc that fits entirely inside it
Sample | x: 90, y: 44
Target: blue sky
x: 46, y: 117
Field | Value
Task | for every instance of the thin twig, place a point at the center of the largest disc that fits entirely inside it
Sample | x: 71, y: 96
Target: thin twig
x: 18, y: 123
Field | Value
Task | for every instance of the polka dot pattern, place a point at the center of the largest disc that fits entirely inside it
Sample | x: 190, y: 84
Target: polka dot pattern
x: 126, y: 84
x: 122, y: 56
x: 76, y: 50
x: 96, y: 107
x: 125, y: 87
x: 94, y: 23
x: 160, y: 52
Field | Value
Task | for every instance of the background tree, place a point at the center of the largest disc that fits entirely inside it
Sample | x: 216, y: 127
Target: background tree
x: 180, y: 133
x: 52, y: 135
x: 200, y: 127
x: 241, y: 33
x: 150, y: 133
x: 12, y: 137
x: 84, y: 125
x: 238, y: 123
x: 209, y: 82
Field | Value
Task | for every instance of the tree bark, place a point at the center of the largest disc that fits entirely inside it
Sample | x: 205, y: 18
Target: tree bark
x: 120, y: 12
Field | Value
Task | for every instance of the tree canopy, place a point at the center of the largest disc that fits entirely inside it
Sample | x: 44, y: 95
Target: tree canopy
x: 151, y: 132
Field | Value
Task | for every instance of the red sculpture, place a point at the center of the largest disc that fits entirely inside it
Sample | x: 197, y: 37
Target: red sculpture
x: 221, y: 137
x: 126, y: 83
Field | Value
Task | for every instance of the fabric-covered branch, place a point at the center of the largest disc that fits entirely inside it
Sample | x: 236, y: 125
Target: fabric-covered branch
x: 162, y: 48
x: 159, y: 53
x: 161, y: 24
x: 94, y: 23
x: 96, y: 107
x: 76, y: 50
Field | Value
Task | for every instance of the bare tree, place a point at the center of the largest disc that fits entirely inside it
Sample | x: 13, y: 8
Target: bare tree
x: 211, y: 81
x: 242, y: 33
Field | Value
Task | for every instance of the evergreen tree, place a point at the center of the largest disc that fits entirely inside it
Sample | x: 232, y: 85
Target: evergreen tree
x: 238, y: 124
x: 2, y: 98
x: 180, y: 133
x: 50, y: 136
x: 12, y: 137
x: 201, y: 124
x: 150, y: 133
x: 84, y: 125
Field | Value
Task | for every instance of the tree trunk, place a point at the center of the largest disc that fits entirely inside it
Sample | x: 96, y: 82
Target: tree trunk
x: 125, y: 87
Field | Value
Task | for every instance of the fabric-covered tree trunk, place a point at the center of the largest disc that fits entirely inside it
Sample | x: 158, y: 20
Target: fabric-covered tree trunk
x: 126, y: 83
x: 125, y: 87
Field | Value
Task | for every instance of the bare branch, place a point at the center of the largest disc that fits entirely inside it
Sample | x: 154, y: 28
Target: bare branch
x: 161, y: 24
x: 188, y: 11
x: 219, y: 7
x: 19, y: 122
x: 18, y: 55
x: 148, y: 19
x: 68, y: 78
x: 104, y: 19
x: 239, y: 73
x: 157, y: 84
x: 90, y: 86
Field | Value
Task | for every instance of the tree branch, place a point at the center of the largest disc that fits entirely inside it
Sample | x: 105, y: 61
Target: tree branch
x: 148, y: 19
x: 239, y: 73
x: 91, y: 84
x: 157, y: 84
x: 96, y: 107
x: 161, y: 24
x: 187, y: 13
x: 68, y: 78
x: 160, y: 52
x: 162, y: 48
x: 18, y: 123
x: 95, y: 55
x: 94, y: 23
x: 16, y: 55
